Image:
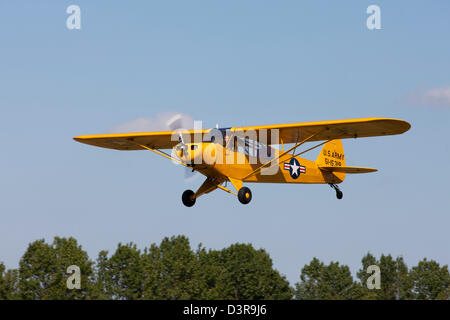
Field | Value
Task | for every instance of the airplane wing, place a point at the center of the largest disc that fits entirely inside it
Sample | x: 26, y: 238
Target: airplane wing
x: 131, y: 141
x: 288, y: 133
x: 336, y: 129
x: 348, y: 169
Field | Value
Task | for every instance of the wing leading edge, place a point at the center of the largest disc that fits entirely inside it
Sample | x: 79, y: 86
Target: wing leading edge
x: 288, y: 133
x: 131, y: 141
x: 336, y: 129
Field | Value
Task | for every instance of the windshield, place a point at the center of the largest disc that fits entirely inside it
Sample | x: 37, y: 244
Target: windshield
x: 242, y: 144
x: 219, y: 136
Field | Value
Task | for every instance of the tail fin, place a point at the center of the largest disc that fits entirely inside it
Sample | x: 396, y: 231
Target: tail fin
x: 332, y: 155
x: 332, y: 159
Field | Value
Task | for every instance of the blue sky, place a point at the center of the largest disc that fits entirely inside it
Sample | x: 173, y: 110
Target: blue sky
x: 235, y: 63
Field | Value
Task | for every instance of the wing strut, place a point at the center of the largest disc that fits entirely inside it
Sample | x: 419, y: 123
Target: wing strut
x: 316, y: 146
x: 161, y: 153
x: 282, y: 154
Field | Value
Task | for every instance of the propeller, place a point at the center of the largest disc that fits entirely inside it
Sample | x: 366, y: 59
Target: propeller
x: 176, y: 123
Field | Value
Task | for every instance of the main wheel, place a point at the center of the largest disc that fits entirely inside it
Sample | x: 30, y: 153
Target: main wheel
x: 188, y: 198
x: 339, y: 194
x: 244, y: 195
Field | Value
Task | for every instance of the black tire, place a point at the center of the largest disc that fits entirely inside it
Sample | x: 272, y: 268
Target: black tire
x: 188, y: 198
x: 339, y: 194
x: 244, y: 195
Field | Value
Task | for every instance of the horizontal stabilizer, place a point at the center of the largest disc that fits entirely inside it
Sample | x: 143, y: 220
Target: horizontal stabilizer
x: 348, y: 169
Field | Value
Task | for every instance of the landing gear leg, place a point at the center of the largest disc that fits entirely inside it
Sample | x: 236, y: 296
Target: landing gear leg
x: 339, y: 193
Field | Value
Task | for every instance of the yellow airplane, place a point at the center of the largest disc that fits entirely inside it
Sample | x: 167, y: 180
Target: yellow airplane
x: 249, y: 154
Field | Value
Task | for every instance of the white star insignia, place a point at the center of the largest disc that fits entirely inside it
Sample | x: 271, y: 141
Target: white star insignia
x: 295, y: 168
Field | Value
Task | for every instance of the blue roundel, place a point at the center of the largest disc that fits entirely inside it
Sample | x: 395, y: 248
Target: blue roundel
x: 294, y: 169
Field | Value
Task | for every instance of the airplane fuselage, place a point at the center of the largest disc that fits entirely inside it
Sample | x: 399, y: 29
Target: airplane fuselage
x: 222, y: 163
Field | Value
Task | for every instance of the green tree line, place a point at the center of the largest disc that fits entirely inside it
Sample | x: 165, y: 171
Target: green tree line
x: 173, y: 270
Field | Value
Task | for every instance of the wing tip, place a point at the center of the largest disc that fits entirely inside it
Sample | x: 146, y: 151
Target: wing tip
x: 81, y: 139
x: 404, y: 124
x: 401, y: 125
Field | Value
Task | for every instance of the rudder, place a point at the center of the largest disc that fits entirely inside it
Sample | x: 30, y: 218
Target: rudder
x: 332, y: 155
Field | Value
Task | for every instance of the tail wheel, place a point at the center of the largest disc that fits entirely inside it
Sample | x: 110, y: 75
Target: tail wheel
x: 339, y: 193
x: 188, y: 198
x: 244, y: 195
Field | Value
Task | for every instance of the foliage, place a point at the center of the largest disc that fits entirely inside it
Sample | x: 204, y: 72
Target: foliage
x: 8, y: 283
x: 120, y: 276
x: 241, y: 272
x: 430, y: 281
x: 395, y: 280
x: 331, y: 282
x: 42, y: 270
x: 172, y: 270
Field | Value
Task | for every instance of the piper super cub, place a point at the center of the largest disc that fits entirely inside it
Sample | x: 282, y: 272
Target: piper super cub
x: 253, y: 154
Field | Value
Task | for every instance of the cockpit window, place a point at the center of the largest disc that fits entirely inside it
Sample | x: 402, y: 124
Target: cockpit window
x: 214, y: 136
x: 237, y: 143
x: 250, y: 147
